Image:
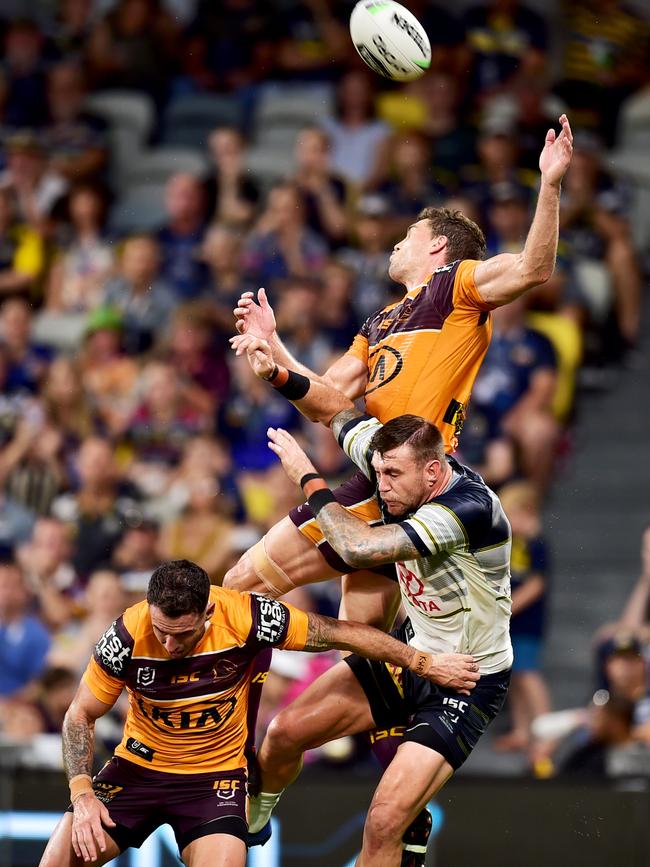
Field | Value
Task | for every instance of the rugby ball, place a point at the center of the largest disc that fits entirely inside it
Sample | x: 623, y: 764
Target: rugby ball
x: 390, y: 39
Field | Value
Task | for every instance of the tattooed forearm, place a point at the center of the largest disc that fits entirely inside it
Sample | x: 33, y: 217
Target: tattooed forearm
x: 78, y: 743
x: 324, y: 633
x: 342, y: 418
x: 361, y: 545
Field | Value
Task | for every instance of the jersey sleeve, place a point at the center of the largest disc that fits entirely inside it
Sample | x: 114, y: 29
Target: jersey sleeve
x: 360, y: 344
x: 275, y: 624
x: 354, y: 439
x: 103, y: 686
x: 434, y: 529
x: 466, y: 296
x: 114, y: 649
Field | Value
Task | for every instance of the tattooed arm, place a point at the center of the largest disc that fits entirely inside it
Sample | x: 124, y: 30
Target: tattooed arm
x: 361, y: 545
x: 453, y: 670
x: 78, y: 735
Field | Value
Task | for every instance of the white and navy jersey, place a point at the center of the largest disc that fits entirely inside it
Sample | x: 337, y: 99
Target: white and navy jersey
x: 457, y: 593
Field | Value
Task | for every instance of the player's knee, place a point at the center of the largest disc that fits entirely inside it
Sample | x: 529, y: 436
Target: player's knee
x: 241, y: 576
x: 385, y: 825
x: 285, y: 733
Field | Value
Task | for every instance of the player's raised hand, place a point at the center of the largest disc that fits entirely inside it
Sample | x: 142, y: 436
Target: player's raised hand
x: 457, y: 671
x: 88, y: 836
x: 294, y: 460
x: 556, y: 156
x: 256, y: 318
x: 259, y: 355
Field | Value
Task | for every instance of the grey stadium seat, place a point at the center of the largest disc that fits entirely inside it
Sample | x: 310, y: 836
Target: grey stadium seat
x: 189, y: 120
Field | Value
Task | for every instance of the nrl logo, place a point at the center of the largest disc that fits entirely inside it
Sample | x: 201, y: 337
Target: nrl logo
x: 145, y: 676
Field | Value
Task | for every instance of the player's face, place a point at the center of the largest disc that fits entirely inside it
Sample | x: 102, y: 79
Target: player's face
x: 179, y: 635
x: 402, y: 480
x: 409, y: 253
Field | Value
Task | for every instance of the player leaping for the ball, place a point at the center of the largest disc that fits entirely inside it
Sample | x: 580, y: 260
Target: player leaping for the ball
x: 419, y: 356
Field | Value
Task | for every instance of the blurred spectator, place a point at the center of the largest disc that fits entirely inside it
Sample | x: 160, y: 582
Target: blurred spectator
x: 337, y: 317
x: 369, y: 258
x: 298, y: 320
x: 109, y: 376
x: 73, y: 26
x: 102, y: 507
x: 312, y: 42
x: 75, y: 139
x: 24, y: 641
x: 593, y: 222
x: 48, y: 570
x: 65, y: 404
x: 636, y: 614
x: 323, y: 192
x: 86, y: 260
x: 135, y: 557
x: 202, y: 533
x: 359, y: 141
x: 282, y: 245
x: 198, y: 356
x: 144, y: 299
x: 180, y: 239
x: 609, y: 728
x: 505, y: 39
x: 132, y: 48
x: 55, y: 690
x: 160, y: 427
x: 22, y: 253
x: 528, y: 695
x: 24, y: 67
x: 231, y: 194
x: 412, y: 186
x: 28, y: 361
x: 36, y: 189
x: 606, y: 44
x: 512, y: 401
x: 102, y: 602
x: 221, y: 251
x: 12, y: 403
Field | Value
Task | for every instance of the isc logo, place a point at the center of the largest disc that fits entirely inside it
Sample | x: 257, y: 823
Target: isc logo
x: 227, y: 789
x: 185, y: 678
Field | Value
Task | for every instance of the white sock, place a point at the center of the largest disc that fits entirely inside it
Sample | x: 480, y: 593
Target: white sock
x: 260, y: 808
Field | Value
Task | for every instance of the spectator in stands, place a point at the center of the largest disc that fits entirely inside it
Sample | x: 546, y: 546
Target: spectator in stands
x: 221, y: 251
x: 48, y: 570
x: 109, y: 376
x: 24, y: 641
x: 360, y: 142
x: 505, y: 39
x: 24, y: 64
x: 22, y: 253
x: 135, y: 557
x: 297, y: 319
x: 28, y: 360
x: 608, y: 729
x: 195, y: 74
x: 12, y: 403
x: 593, y: 221
x: 338, y: 320
x: 528, y: 694
x: 181, y: 238
x: 368, y: 259
x: 312, y: 41
x: 36, y: 189
x: 323, y: 192
x: 636, y: 614
x: 100, y: 509
x: 513, y: 397
x: 102, y: 602
x: 282, y: 245
x: 144, y: 299
x: 86, y: 260
x: 74, y: 138
x: 73, y: 27
x: 65, y: 405
x: 231, y: 195
x: 55, y: 690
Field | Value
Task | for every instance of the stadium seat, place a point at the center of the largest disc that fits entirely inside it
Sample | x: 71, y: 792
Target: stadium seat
x: 125, y: 109
x: 156, y: 166
x: 139, y: 209
x: 189, y: 120
x: 634, y: 122
x: 282, y: 111
x: 269, y: 165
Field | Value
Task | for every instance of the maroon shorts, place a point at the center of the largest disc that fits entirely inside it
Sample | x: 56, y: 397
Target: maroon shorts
x: 354, y: 494
x: 195, y: 805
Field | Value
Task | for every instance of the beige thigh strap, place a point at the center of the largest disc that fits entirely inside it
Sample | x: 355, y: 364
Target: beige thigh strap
x: 275, y: 579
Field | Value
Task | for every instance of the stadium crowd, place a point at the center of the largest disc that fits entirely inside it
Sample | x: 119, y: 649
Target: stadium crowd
x: 159, y: 157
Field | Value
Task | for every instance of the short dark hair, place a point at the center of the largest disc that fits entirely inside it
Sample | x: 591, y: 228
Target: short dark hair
x: 179, y: 587
x: 423, y: 438
x: 465, y: 240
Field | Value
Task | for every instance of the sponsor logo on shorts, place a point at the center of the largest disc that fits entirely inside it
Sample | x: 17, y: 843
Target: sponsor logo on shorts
x: 111, y: 650
x: 226, y: 790
x: 453, y: 704
x: 145, y: 676
x: 105, y: 792
x: 139, y: 749
x: 271, y: 621
x: 204, y: 715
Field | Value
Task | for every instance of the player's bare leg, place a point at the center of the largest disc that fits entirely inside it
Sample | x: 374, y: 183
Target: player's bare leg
x: 215, y: 850
x: 416, y: 773
x: 59, y: 851
x: 369, y: 598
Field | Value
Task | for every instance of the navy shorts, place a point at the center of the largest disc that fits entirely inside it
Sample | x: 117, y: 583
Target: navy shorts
x: 139, y: 800
x: 438, y: 718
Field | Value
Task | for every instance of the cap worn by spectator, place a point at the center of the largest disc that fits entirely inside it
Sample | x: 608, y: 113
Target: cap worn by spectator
x: 623, y: 642
x: 104, y: 319
x: 24, y: 141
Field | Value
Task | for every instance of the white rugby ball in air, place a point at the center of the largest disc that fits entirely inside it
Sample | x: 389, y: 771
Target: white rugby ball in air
x: 390, y: 39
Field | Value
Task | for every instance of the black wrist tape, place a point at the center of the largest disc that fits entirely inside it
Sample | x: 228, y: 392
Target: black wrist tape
x: 274, y: 373
x: 308, y: 477
x: 319, y: 499
x: 295, y: 387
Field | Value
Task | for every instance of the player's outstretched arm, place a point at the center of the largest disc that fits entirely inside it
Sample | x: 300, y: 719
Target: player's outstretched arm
x: 315, y: 400
x: 507, y: 276
x: 348, y: 374
x: 453, y: 670
x: 78, y: 735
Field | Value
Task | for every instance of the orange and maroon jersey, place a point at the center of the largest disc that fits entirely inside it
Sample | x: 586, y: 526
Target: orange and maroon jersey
x: 189, y: 715
x: 424, y: 352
